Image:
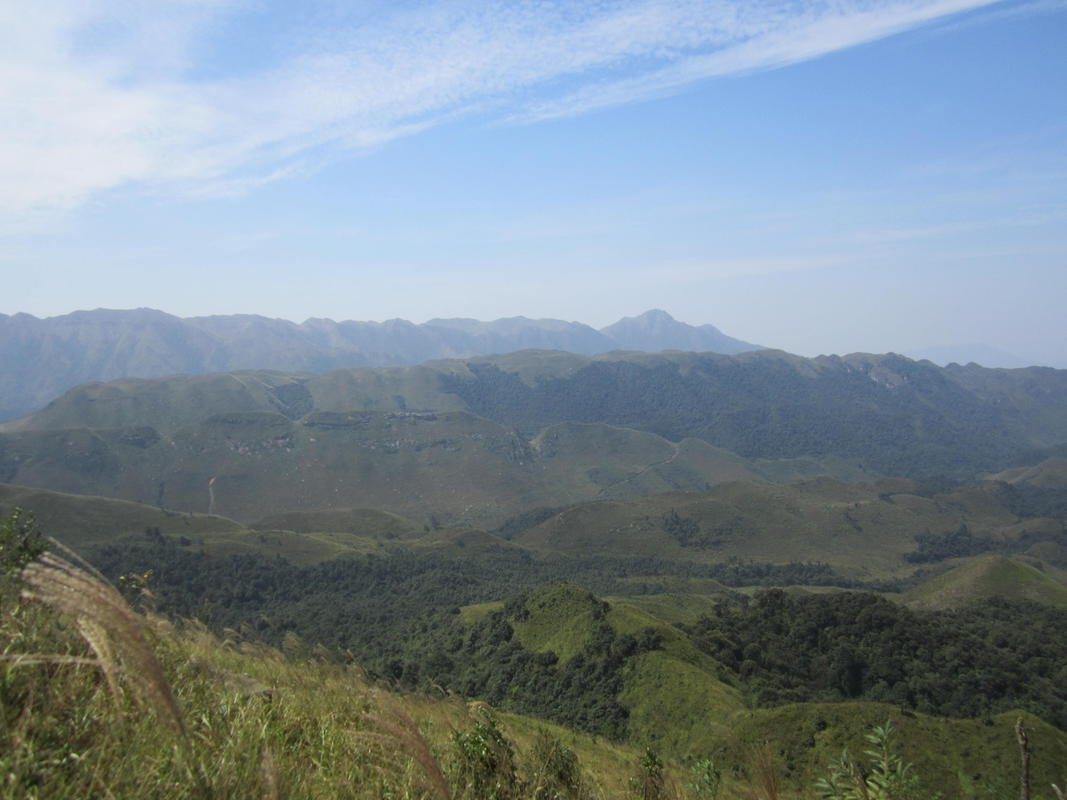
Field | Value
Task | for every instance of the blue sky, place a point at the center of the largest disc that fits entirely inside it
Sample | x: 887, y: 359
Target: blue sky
x: 818, y: 176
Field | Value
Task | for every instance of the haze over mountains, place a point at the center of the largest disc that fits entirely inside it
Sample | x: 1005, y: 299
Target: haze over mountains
x: 44, y: 357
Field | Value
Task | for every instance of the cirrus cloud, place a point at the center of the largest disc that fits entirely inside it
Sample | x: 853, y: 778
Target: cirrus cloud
x: 96, y: 96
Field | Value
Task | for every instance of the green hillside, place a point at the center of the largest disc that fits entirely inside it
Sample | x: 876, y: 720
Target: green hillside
x: 646, y: 674
x: 81, y: 521
x: 873, y: 414
x: 557, y: 619
x: 206, y: 717
x: 984, y: 577
x: 486, y: 440
x: 692, y: 671
x: 687, y: 689
x: 964, y: 758
x: 893, y: 415
x: 362, y: 521
x: 748, y: 559
x: 855, y: 531
x: 168, y: 404
x: 171, y: 403
x: 677, y: 607
x: 862, y: 529
x: 1049, y: 474
x: 453, y: 467
x: 676, y: 694
x: 85, y: 522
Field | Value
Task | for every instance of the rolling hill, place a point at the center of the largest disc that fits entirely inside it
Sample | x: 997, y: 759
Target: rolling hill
x: 885, y: 413
x: 864, y: 530
x: 330, y: 729
x: 452, y: 467
x: 985, y: 577
x: 483, y: 440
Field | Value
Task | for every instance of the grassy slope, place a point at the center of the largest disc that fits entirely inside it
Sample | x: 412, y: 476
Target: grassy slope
x: 259, y: 724
x: 676, y: 708
x: 362, y: 521
x: 263, y: 724
x: 164, y: 404
x: 318, y: 733
x: 765, y: 520
x: 80, y: 521
x: 674, y: 694
x: 679, y: 707
x: 673, y: 608
x: 987, y: 576
x: 453, y: 465
x: 858, y: 528
x: 956, y: 757
x: 1049, y: 474
x: 277, y: 442
x: 171, y: 403
x: 559, y: 618
x: 670, y: 692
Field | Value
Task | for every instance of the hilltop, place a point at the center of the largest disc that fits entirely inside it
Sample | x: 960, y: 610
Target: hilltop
x: 984, y: 577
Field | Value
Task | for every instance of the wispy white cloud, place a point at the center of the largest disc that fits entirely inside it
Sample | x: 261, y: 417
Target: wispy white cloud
x: 96, y: 95
x: 780, y: 41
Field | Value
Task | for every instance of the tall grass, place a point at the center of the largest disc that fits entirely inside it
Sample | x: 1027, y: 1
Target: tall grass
x: 114, y: 632
x: 139, y: 708
x: 97, y: 700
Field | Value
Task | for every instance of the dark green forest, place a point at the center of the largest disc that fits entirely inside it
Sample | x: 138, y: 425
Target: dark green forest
x: 366, y: 603
x: 399, y: 616
x: 765, y: 408
x: 987, y: 657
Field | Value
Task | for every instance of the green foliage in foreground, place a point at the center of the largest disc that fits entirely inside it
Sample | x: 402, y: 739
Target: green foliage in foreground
x: 229, y: 718
x: 886, y: 777
x: 396, y: 615
x: 20, y: 542
x: 253, y: 724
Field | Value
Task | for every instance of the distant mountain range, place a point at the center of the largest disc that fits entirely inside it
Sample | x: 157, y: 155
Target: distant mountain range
x: 42, y: 358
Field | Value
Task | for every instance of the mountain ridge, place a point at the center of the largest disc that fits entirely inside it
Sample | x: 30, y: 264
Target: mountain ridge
x: 43, y: 358
x: 531, y: 430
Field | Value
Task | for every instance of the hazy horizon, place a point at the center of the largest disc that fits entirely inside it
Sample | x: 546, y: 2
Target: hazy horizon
x: 962, y: 353
x: 873, y: 176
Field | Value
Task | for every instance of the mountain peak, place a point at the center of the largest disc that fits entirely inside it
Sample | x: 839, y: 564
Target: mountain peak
x: 657, y: 330
x: 657, y: 314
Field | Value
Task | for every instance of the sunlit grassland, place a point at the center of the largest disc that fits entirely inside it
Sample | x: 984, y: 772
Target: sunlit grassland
x: 252, y: 721
x: 97, y: 700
